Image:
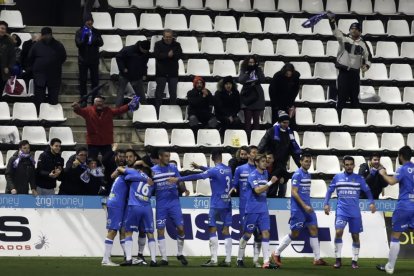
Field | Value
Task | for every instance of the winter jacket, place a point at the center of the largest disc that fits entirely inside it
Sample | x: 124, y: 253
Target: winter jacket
x: 88, y: 53
x: 198, y: 105
x: 72, y: 184
x: 7, y: 56
x: 131, y: 58
x: 248, y: 85
x: 166, y: 66
x: 45, y: 165
x: 226, y: 104
x: 21, y: 177
x: 374, y: 180
x: 283, y: 90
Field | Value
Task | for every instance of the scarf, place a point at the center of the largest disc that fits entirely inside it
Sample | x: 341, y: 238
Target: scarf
x: 276, y: 136
x: 20, y: 156
x: 134, y: 104
x: 88, y: 32
x: 86, y: 175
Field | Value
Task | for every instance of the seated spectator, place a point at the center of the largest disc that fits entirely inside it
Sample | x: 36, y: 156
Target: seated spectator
x: 72, y: 183
x: 239, y: 159
x: 27, y: 73
x: 20, y: 171
x: 370, y: 171
x: 227, y: 104
x: 49, y: 168
x: 93, y: 177
x: 200, y: 101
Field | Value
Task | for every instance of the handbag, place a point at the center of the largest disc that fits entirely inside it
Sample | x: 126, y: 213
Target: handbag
x: 13, y: 86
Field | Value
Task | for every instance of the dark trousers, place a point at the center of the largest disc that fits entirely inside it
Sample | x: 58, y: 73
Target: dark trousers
x: 248, y: 116
x: 2, y: 84
x: 159, y: 90
x: 226, y: 124
x: 83, y: 78
x: 348, y: 89
x: 137, y: 85
x: 93, y: 150
x: 52, y: 87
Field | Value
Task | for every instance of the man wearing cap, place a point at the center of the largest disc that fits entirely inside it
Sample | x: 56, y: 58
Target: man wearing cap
x: 132, y: 63
x: 353, y: 55
x: 88, y: 40
x: 46, y: 58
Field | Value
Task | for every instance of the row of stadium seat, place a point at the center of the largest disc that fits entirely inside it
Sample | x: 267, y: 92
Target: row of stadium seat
x: 3, y: 163
x: 27, y: 112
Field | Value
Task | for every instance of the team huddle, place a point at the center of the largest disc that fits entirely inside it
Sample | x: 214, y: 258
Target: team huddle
x: 129, y: 209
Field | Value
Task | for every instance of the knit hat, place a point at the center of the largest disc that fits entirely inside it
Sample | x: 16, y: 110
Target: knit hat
x: 144, y: 44
x: 355, y: 25
x: 283, y: 116
x: 196, y: 79
x: 46, y: 31
x: 227, y: 79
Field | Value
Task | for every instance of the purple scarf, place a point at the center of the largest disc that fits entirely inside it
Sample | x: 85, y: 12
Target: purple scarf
x: 20, y: 156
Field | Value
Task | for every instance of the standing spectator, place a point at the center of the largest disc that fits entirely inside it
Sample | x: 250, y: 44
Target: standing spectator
x: 167, y: 52
x: 200, y: 102
x: 270, y: 161
x: 46, y: 58
x: 27, y: 70
x: 227, y: 104
x: 72, y: 183
x: 99, y: 125
x: 17, y: 67
x: 241, y: 158
x: 370, y: 171
x: 93, y: 177
x: 7, y: 55
x: 252, y: 94
x: 283, y: 90
x: 88, y: 40
x: 112, y: 160
x: 49, y: 168
x: 132, y: 63
x: 353, y: 55
x: 20, y: 171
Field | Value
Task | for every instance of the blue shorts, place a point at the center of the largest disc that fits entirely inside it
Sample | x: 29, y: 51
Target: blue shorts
x: 355, y: 224
x: 173, y: 212
x: 256, y: 220
x: 115, y: 219
x: 219, y: 217
x: 139, y: 218
x: 301, y: 219
x: 402, y: 220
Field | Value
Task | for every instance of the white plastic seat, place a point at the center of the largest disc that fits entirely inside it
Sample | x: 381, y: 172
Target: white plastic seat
x: 66, y: 154
x: 112, y: 44
x: 262, y: 47
x: 189, y: 44
x: 208, y: 138
x: 408, y: 96
x: 295, y: 26
x: 198, y: 158
x: 157, y: 137
x: 271, y: 67
x: 212, y: 45
x: 191, y: 4
x: 325, y: 70
x: 125, y: 21
x: 366, y: 141
x: 151, y: 67
x: 401, y: 72
x: 256, y: 136
x: 225, y: 24
x: 235, y: 138
x: 403, y: 118
x: 171, y: 114
x: 314, y: 140
x: 118, y: 3
x: 167, y: 3
x: 390, y: 94
x: 303, y: 68
x: 303, y: 116
x: 406, y: 6
x: 343, y: 24
x: 378, y: 117
x: 216, y: 5
x: 288, y: 5
x: 275, y: 25
x: 13, y: 18
x: 377, y: 71
x: 50, y: 112
x: 145, y: 114
x: 143, y: 4
x: 150, y: 21
x: 352, y: 117
x: 387, y: 49
x: 288, y: 193
x: 201, y: 23
x: 391, y: 192
x: 198, y: 67
x: 340, y: 141
x: 407, y: 49
x: 24, y: 112
x: 312, y: 48
x: 9, y: 135
x: 4, y: 111
x: 264, y: 5
x: 398, y: 27
x: 326, y: 117
x: 361, y: 6
x: 313, y: 93
x: 312, y: 6
x: 318, y: 188
x: 332, y: 47
x: 392, y: 141
x: 175, y: 157
x: 9, y: 154
x: 327, y: 164
x: 410, y: 140
x: 203, y: 187
x: 176, y: 22
x: 36, y: 135
x: 237, y: 46
x: 373, y: 27
x: 240, y: 5
x: 385, y: 6
x: 337, y: 6
x: 387, y: 163
x: 114, y: 71
x: 183, y: 88
x: 322, y: 28
x: 250, y: 25
x: 64, y: 134
x: 133, y: 39
x: 293, y: 167
x: 224, y: 68
x: 359, y: 160
x: 102, y: 21
x: 182, y: 138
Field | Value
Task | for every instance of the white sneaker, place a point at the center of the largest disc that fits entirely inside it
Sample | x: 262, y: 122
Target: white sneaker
x: 388, y: 269
x: 136, y: 261
x: 108, y: 263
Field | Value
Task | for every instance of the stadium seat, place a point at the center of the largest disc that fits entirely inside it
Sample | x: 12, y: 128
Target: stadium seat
x: 343, y: 24
x: 410, y: 140
x: 3, y: 183
x: 385, y: 6
x: 154, y: 39
x: 325, y: 70
x: 407, y: 49
x: 387, y: 49
x: 237, y: 46
x: 288, y: 5
x: 267, y: 115
x: 337, y: 6
x: 125, y: 21
x: 112, y: 44
x: 50, y: 112
x: 225, y: 159
x: 198, y: 67
x: 392, y: 141
x: 406, y: 6
x: 132, y: 39
x: 322, y: 28
x: 151, y: 89
x: 326, y: 117
x: 262, y: 47
x: 275, y: 25
x: 191, y: 4
x: 264, y: 5
x: 358, y: 161
x: 13, y: 18
x: 4, y: 111
x: 145, y: 114
x: 327, y: 164
x: 2, y: 167
x: 189, y: 186
x: 176, y: 22
x: 142, y: 4
x: 102, y: 21
x: 312, y: 48
x: 182, y: 138
x: 303, y: 116
x: 401, y: 72
x: 166, y: 3
x: 212, y: 45
x: 183, y: 88
x: 64, y: 134
x: 114, y: 69
x: 303, y: 68
x: 225, y: 24
x: 9, y: 154
x: 318, y: 188
x: 118, y: 3
x: 403, y: 118
x: 312, y: 6
x: 150, y: 21
x: 240, y: 5
x: 9, y: 135
x: 366, y: 141
x: 352, y: 117
x: 157, y: 137
x: 313, y: 93
x: 256, y: 136
x: 24, y: 112
x: 66, y: 154
x: 223, y: 67
x: 203, y: 187
x: 201, y: 23
x: 171, y: 114
x: 288, y: 193
x: 391, y: 192
x: 389, y: 94
x: 373, y: 27
x: 250, y: 25
x: 198, y: 158
x: 235, y: 138
x: 208, y: 138
x: 340, y: 141
x: 189, y: 44
x: 295, y: 26
x: 293, y: 167
x: 217, y: 5
x: 151, y: 67
x: 314, y: 140
x: 408, y: 96
x: 378, y: 117
x: 377, y: 71
x: 36, y: 135
x: 361, y: 6
x: 332, y: 47
x: 175, y: 157
x: 398, y: 28
x: 271, y: 67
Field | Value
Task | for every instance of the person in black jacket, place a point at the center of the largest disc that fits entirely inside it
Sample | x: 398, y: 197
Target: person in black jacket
x: 88, y: 40
x: 72, y: 183
x: 49, y: 168
x: 283, y: 90
x: 227, y: 104
x: 7, y: 55
x: 46, y: 58
x: 370, y: 171
x: 112, y: 160
x: 20, y: 171
x: 27, y: 70
x: 200, y: 101
x: 132, y: 63
x: 167, y: 52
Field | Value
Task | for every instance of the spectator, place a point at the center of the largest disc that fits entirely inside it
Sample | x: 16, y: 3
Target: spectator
x: 88, y: 40
x: 7, y: 54
x: 270, y: 161
x: 132, y: 63
x: 72, y: 183
x: 353, y: 55
x: 27, y: 70
x: 227, y: 104
x: 252, y: 94
x: 17, y: 67
x: 200, y: 101
x: 99, y: 125
x: 46, y: 59
x: 150, y: 160
x: 93, y: 177
x: 370, y: 171
x: 283, y: 90
x: 241, y: 158
x: 20, y: 171
x: 167, y: 52
x: 112, y: 160
x: 49, y: 168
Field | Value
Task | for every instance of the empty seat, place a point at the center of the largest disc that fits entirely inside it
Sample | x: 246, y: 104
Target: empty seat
x: 328, y: 164
x: 378, y: 117
x: 275, y: 25
x: 377, y: 71
x: 256, y: 136
x: 112, y: 44
x: 303, y: 116
x: 4, y: 111
x: 318, y: 188
x: 271, y: 67
x: 387, y: 163
x: 295, y: 26
x: 176, y: 22
x: 9, y: 135
x: 191, y: 4
x: 150, y: 21
x: 385, y: 6
x: 198, y: 158
x: 403, y: 118
x: 337, y: 6
x: 182, y: 138
x: 240, y: 5
x: 312, y: 48
x: 387, y: 49
x: 398, y: 28
x: 358, y: 161
x: 201, y: 23
x: 118, y: 3
x: 208, y: 138
x: 102, y: 21
x: 224, y: 68
x: 13, y: 18
x: 145, y: 114
x: 262, y: 47
x: 392, y: 141
x: 288, y: 5
x: 401, y: 72
x: 203, y: 187
x: 325, y: 70
x: 410, y: 140
x: 314, y: 140
x: 125, y: 21
x: 235, y: 138
x: 408, y: 96
x: 366, y: 141
x: 343, y: 24
x: 250, y: 25
x: 391, y: 191
x: 332, y: 47
x: 151, y: 89
x: 3, y: 183
x: 142, y: 4
x: 340, y: 141
x: 114, y: 71
x: 326, y: 117
x: 361, y: 6
x: 198, y: 67
x: 406, y: 6
x: 157, y: 137
x: 303, y: 68
x: 373, y: 27
x: 237, y: 46
x: 312, y: 6
x: 183, y: 88
x: 24, y: 112
x: 49, y: 112
x: 313, y: 93
x: 352, y: 117
x: 151, y: 67
x: 390, y: 94
x: 322, y: 28
x: 212, y: 45
x: 36, y: 135
x: 167, y: 3
x: 216, y: 4
x: 264, y: 5
x: 133, y: 39
x: 225, y: 24
x: 175, y: 157
x: 64, y: 134
x: 171, y: 114
x: 407, y: 49
x: 189, y: 44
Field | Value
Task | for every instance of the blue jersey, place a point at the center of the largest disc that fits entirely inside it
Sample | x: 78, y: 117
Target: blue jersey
x: 348, y: 188
x: 256, y: 203
x: 140, y: 191
x: 220, y: 181
x: 119, y: 193
x: 301, y: 180
x: 240, y: 182
x: 165, y: 192
x: 405, y: 177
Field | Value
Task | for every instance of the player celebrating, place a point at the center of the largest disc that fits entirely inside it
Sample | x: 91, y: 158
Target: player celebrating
x: 257, y: 212
x: 220, y: 205
x: 403, y: 216
x: 348, y: 186
x: 301, y: 212
x: 168, y: 205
